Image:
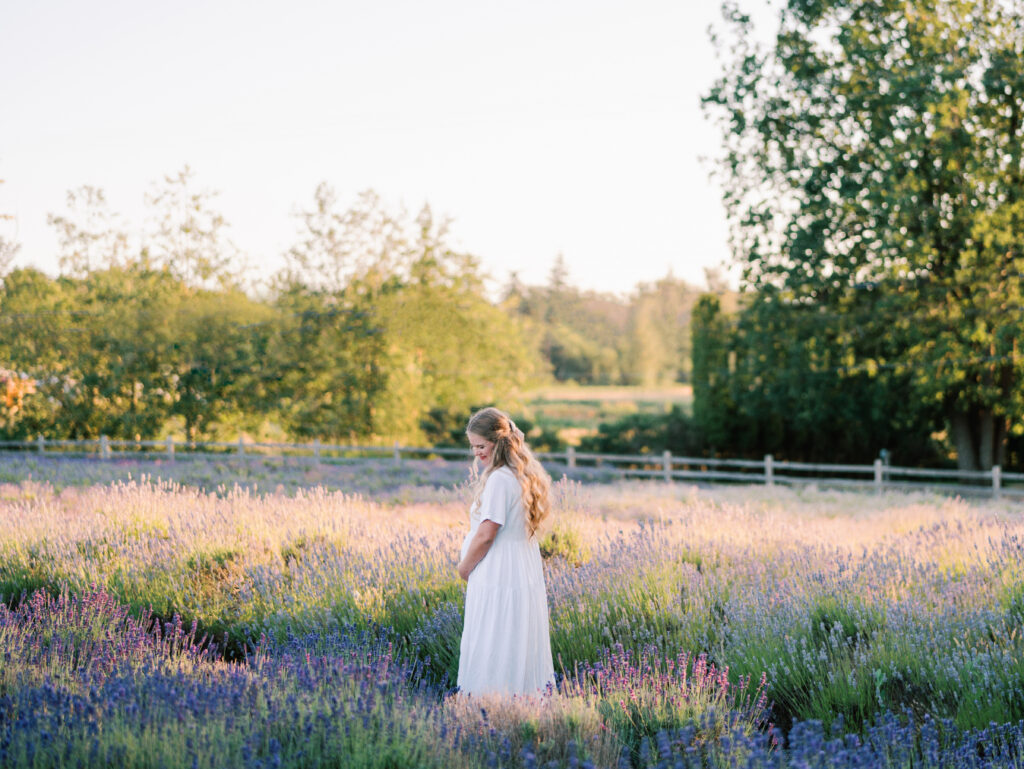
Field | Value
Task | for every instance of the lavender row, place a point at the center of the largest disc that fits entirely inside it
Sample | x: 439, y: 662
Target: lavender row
x: 86, y: 685
x: 896, y: 604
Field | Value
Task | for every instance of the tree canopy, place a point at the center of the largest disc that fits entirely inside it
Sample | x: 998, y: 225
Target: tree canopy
x: 873, y: 170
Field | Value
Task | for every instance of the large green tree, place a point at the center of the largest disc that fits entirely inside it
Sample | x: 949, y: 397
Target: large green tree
x: 873, y: 169
x: 325, y: 364
x: 779, y: 378
x: 93, y: 345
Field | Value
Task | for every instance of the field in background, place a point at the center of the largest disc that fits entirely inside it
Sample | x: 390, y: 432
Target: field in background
x: 574, y: 411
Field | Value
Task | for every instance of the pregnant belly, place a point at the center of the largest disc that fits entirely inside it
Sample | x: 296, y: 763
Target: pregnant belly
x: 465, y: 545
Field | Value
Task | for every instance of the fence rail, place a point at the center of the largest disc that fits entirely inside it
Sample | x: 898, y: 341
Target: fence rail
x: 666, y: 465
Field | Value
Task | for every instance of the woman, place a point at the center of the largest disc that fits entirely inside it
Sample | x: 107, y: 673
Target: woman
x: 505, y: 644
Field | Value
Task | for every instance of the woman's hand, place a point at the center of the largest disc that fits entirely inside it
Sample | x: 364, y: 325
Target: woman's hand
x: 478, y: 547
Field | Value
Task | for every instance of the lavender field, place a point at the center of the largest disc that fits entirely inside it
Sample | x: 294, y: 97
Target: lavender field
x: 306, y: 617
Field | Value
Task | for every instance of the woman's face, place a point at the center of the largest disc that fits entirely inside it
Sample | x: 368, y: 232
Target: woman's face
x: 483, y: 449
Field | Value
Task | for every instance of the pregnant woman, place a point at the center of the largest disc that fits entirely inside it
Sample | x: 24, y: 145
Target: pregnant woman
x: 505, y: 647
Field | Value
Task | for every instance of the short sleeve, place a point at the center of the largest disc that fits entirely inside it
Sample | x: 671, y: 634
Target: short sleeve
x: 499, y: 495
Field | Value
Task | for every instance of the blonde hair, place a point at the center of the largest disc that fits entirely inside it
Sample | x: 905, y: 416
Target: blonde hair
x: 510, y: 450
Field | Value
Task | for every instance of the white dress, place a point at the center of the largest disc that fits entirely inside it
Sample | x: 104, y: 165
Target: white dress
x: 506, y: 647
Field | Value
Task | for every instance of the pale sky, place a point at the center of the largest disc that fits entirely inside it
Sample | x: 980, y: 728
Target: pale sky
x: 562, y: 126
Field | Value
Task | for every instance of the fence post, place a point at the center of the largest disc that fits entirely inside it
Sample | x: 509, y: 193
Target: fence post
x: 570, y: 456
x: 667, y: 460
x: 997, y: 481
x: 878, y: 476
x: 41, y: 444
x: 316, y: 451
x: 241, y: 446
x: 398, y: 454
x: 769, y: 470
x: 104, y: 447
x: 170, y: 447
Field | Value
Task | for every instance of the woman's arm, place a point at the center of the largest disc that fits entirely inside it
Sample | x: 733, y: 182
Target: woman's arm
x: 478, y: 547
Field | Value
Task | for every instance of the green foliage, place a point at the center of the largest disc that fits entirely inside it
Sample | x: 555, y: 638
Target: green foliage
x: 435, y: 640
x: 377, y: 329
x: 120, y: 351
x: 578, y: 333
x: 441, y: 357
x: 326, y: 365
x: 658, y: 343
x: 565, y: 541
x: 136, y: 343
x: 872, y: 170
x: 596, y: 339
x: 712, y: 406
x: 392, y: 336
x: 215, y: 563
x: 850, y: 619
x: 1013, y: 599
x: 647, y: 433
x: 777, y: 379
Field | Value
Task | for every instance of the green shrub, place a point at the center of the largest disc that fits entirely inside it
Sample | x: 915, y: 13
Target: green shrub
x: 565, y: 541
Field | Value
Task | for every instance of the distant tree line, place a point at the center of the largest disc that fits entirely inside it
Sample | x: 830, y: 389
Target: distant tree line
x: 375, y: 329
x: 595, y: 338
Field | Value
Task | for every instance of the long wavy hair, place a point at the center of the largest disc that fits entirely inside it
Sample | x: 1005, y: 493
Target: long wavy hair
x: 510, y: 450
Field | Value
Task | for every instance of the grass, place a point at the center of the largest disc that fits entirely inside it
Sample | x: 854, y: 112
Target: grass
x: 676, y: 393
x: 575, y: 411
x: 863, y: 619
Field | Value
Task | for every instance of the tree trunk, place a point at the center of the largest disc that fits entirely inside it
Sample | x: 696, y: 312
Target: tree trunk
x: 980, y: 439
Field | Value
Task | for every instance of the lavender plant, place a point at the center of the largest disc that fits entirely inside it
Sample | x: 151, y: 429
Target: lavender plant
x: 852, y: 607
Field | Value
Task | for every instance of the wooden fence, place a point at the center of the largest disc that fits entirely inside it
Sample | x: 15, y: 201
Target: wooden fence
x: 665, y: 466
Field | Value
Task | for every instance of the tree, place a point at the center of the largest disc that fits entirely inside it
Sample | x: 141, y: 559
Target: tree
x: 449, y: 348
x: 8, y: 250
x: 189, y: 236
x: 327, y: 364
x: 657, y: 348
x: 387, y: 326
x: 873, y: 171
x: 712, y: 407
x: 217, y: 359
x: 778, y: 378
x: 577, y: 332
x: 336, y: 247
x: 121, y: 350
x: 90, y: 236
x: 30, y: 321
x: 95, y: 347
x: 651, y: 434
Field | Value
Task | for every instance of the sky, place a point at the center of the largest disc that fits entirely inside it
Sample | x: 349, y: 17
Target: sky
x: 540, y: 127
